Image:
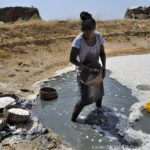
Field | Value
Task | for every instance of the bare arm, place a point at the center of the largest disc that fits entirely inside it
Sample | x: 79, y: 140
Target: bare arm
x: 103, y: 59
x: 73, y: 55
x: 103, y: 55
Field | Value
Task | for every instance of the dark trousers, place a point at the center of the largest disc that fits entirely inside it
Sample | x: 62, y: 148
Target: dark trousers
x: 85, y: 100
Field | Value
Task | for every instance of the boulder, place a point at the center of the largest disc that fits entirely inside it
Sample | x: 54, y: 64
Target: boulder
x: 138, y: 13
x: 11, y: 14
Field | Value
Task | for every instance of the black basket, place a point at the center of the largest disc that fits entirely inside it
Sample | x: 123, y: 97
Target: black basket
x: 15, y: 118
x: 47, y: 93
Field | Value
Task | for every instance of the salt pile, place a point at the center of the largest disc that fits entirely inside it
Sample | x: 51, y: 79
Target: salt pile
x: 4, y: 101
x: 19, y: 111
x: 132, y: 71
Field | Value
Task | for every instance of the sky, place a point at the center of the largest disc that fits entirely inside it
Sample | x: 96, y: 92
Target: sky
x: 70, y: 9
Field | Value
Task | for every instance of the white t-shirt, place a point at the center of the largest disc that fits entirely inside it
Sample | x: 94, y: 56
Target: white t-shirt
x: 90, y: 53
x: 77, y: 40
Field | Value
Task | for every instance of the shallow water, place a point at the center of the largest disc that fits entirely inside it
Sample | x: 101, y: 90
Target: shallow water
x: 99, y: 132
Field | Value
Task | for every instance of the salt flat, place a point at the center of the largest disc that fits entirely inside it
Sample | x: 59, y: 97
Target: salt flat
x: 132, y: 71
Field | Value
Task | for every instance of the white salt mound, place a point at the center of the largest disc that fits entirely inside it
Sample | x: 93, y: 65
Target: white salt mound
x: 19, y: 111
x: 132, y: 71
x: 4, y: 101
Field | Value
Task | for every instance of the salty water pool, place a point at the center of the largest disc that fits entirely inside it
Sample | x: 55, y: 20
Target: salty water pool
x: 104, y: 127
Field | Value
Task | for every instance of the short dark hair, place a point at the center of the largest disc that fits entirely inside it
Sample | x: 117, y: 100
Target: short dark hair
x: 88, y: 23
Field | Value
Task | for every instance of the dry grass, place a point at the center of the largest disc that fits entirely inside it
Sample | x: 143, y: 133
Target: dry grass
x: 56, y: 35
x: 4, y: 54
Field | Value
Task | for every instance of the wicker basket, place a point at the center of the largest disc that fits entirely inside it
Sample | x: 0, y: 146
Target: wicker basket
x: 47, y: 93
x: 15, y: 118
x: 3, y: 123
x: 91, y: 79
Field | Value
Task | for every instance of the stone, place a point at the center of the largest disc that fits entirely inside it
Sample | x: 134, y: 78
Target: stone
x: 51, y: 146
x: 26, y: 90
x: 138, y: 13
x: 27, y: 70
x: 11, y: 75
x: 11, y: 14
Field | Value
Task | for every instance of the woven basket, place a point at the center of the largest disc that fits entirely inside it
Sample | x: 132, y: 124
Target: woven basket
x: 47, y: 93
x: 3, y: 124
x: 91, y: 79
x: 15, y: 118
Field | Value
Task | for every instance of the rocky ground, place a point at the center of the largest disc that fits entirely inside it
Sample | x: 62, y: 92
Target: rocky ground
x: 48, y: 141
x: 34, y: 50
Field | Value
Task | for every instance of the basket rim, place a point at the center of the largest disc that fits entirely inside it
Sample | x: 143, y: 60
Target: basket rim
x: 16, y: 106
x: 92, y: 81
x: 49, y: 88
x: 15, y: 118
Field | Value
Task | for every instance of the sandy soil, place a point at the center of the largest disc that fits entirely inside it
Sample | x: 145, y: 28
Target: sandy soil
x: 34, y: 50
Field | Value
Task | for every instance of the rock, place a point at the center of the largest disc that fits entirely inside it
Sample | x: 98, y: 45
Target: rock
x: 45, y: 131
x: 27, y: 70
x: 51, y: 146
x: 11, y: 14
x: 23, y: 64
x: 35, y: 16
x: 138, y: 13
x: 26, y: 90
x: 140, y: 16
x: 1, y: 93
x: 44, y: 140
x: 17, y: 70
x: 11, y: 75
x: 5, y: 144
